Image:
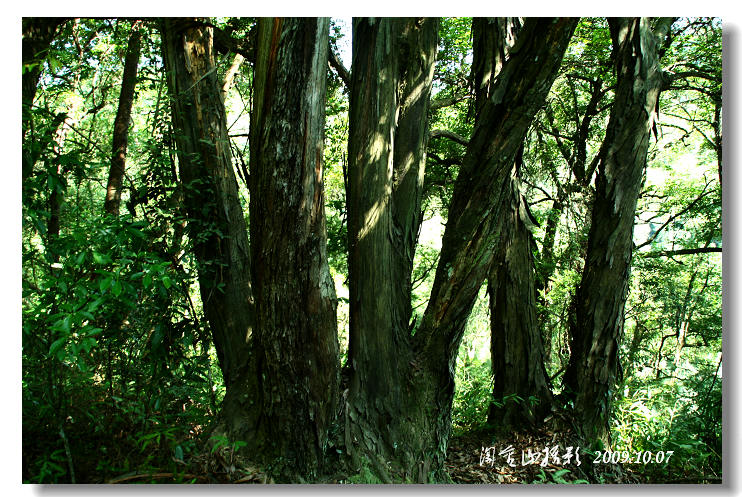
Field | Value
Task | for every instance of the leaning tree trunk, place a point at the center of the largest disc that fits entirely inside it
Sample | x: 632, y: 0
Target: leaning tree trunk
x: 520, y: 384
x: 121, y: 123
x: 482, y: 194
x: 393, y: 62
x: 402, y: 387
x: 291, y: 387
x: 216, y: 221
x: 597, y: 316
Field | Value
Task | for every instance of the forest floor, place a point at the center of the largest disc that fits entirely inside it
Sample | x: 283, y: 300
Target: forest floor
x: 479, y: 457
x: 547, y: 455
x: 475, y: 457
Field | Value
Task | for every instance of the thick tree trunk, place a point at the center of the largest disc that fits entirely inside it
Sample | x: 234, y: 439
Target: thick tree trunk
x: 292, y: 381
x: 121, y: 123
x: 521, y: 385
x: 390, y: 89
x: 418, y: 45
x: 597, y: 317
x: 402, y: 387
x: 516, y: 344
x: 217, y: 223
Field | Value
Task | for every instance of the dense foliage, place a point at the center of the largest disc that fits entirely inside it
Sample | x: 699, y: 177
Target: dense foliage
x: 120, y: 375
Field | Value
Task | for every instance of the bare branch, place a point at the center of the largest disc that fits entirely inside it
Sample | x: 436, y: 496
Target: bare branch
x: 673, y: 253
x: 231, y: 73
x: 442, y: 133
x: 439, y: 103
x: 337, y: 64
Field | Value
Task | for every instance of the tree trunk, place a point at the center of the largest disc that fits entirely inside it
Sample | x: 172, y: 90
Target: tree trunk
x: 121, y: 123
x: 492, y: 39
x: 516, y: 344
x: 401, y: 390
x: 597, y: 317
x: 292, y: 381
x: 217, y: 224
x: 482, y: 195
x: 393, y: 62
x: 521, y: 386
x: 38, y: 33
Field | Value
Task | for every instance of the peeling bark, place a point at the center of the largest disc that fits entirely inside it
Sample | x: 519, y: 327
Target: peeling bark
x: 216, y: 220
x: 597, y: 315
x: 292, y: 382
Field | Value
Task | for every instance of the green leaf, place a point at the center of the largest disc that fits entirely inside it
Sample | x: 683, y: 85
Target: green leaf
x: 147, y: 280
x: 63, y: 325
x: 95, y: 304
x: 560, y: 473
x: 116, y: 288
x: 54, y: 64
x: 88, y: 343
x: 101, y: 258
x: 57, y: 348
x: 105, y: 284
x: 167, y: 281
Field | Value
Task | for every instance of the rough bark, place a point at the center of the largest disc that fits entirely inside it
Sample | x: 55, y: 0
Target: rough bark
x: 597, y: 316
x: 517, y: 349
x: 216, y: 220
x: 390, y: 89
x: 121, y: 123
x: 482, y: 194
x: 520, y: 384
x: 492, y: 39
x: 292, y: 382
x: 402, y: 388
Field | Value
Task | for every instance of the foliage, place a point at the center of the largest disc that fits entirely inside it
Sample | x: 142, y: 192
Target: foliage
x: 118, y: 370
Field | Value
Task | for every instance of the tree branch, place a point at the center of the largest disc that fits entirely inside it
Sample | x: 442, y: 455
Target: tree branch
x: 672, y: 253
x: 231, y: 73
x: 442, y: 133
x: 439, y: 103
x: 340, y: 69
x: 674, y: 217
